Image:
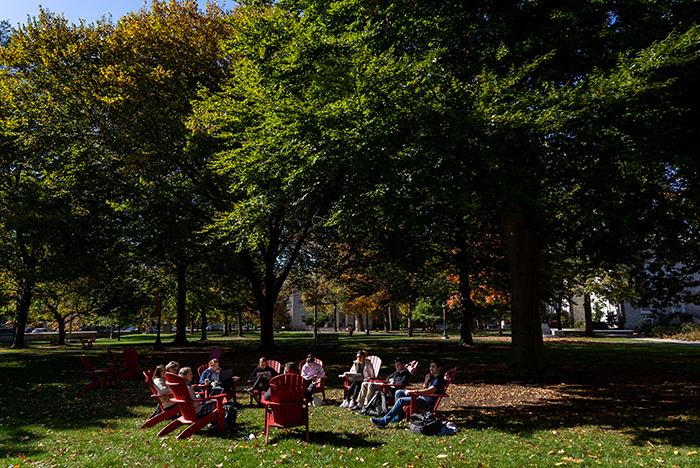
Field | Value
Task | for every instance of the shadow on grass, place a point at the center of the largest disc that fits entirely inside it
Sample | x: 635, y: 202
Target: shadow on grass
x: 652, y: 408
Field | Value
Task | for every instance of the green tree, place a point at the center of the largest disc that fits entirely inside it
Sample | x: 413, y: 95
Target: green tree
x: 162, y: 57
x: 268, y: 117
x: 50, y: 127
x: 545, y: 116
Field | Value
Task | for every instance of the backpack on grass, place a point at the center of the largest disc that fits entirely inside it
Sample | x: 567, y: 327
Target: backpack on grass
x: 230, y: 414
x: 377, y: 406
x: 425, y: 423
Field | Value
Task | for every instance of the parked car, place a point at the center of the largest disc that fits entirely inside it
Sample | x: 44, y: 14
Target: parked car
x: 40, y: 330
x: 28, y: 329
x: 213, y: 328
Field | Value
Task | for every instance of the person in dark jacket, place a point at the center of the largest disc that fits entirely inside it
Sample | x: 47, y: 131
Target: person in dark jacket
x: 400, y: 377
x: 434, y: 384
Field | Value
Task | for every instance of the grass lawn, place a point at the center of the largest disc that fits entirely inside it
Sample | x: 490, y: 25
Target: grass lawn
x: 616, y: 404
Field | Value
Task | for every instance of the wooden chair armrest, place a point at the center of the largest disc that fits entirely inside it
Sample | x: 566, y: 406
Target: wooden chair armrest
x: 392, y: 385
x: 436, y: 395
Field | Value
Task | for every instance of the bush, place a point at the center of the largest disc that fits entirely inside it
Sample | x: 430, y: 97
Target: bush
x: 684, y: 331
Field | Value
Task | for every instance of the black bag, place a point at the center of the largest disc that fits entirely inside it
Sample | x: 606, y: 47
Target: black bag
x: 230, y: 414
x: 377, y: 406
x: 425, y: 423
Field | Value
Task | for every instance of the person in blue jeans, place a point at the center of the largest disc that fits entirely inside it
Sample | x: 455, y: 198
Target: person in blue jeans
x: 434, y: 384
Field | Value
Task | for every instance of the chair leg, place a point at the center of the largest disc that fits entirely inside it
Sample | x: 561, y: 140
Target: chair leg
x: 170, y: 427
x: 157, y: 419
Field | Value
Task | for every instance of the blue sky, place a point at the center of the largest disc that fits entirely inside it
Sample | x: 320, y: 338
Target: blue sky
x: 16, y: 11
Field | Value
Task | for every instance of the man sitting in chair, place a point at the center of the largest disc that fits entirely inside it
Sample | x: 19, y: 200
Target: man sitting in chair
x: 401, y: 377
x: 434, y: 384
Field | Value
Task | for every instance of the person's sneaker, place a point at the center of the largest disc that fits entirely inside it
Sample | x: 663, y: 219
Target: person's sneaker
x: 396, y: 419
x: 356, y: 407
x: 351, y: 404
x: 344, y: 404
x: 379, y: 422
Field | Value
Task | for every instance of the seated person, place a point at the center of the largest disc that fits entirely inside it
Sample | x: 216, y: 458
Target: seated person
x: 362, y: 366
x: 312, y: 372
x: 161, y: 387
x: 173, y: 367
x: 434, y: 384
x: 261, y: 379
x: 212, y: 375
x: 400, y: 377
x: 200, y: 408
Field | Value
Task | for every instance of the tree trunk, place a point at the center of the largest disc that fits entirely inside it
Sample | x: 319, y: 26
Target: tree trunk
x: 409, y: 319
x: 466, y: 306
x: 181, y: 334
x: 335, y: 315
x: 239, y: 319
x: 559, y: 307
x: 24, y: 301
x: 25, y: 294
x: 61, y: 322
x: 358, y: 323
x: 204, y: 326
x: 499, y: 317
x: 528, y: 356
x: 588, y: 314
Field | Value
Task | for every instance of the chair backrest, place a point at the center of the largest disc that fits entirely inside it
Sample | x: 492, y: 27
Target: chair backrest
x: 275, y: 365
x: 181, y: 395
x: 376, y: 363
x: 112, y: 357
x: 215, y: 354
x: 449, y: 375
x: 411, y: 367
x: 200, y: 370
x: 290, y: 390
x: 89, y: 368
x: 131, y: 358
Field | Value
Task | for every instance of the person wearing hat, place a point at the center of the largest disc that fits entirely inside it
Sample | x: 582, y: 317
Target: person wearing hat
x: 400, y: 377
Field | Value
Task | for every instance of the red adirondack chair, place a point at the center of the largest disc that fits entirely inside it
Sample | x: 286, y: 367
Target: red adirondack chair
x: 413, y: 407
x: 165, y: 414
x: 287, y: 406
x: 271, y: 363
x: 390, y: 388
x: 131, y: 362
x: 185, y: 405
x: 321, y: 387
x: 376, y: 365
x: 98, y: 377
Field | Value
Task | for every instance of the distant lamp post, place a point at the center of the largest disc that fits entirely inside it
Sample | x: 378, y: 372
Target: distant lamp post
x: 160, y: 294
x: 444, y: 321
